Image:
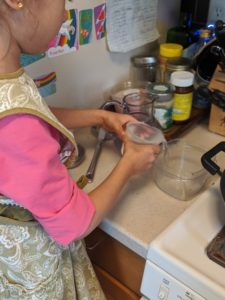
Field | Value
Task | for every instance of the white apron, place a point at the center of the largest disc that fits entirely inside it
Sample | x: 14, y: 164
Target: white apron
x: 32, y: 265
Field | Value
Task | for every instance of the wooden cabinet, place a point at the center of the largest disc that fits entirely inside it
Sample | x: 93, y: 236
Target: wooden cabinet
x: 118, y: 268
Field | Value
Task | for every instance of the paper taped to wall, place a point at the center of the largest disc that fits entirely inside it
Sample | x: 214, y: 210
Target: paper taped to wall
x: 130, y: 24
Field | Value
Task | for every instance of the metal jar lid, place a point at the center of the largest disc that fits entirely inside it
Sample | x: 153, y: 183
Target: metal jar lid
x: 144, y: 61
x: 163, y: 91
x: 179, y: 64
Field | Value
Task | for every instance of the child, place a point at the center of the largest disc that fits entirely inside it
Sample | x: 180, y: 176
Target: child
x: 43, y: 214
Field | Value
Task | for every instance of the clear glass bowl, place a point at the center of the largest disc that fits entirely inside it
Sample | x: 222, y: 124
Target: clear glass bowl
x: 178, y: 170
x: 142, y: 133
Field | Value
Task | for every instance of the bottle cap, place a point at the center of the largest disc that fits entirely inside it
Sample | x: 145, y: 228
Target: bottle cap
x: 205, y: 33
x: 170, y: 50
x: 164, y: 91
x: 182, y: 78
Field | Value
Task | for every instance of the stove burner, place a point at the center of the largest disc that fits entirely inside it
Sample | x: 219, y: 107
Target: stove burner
x: 216, y: 249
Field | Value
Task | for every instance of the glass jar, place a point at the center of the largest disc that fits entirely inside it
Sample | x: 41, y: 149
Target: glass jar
x: 183, y: 83
x: 144, y: 68
x: 163, y: 106
x: 177, y: 64
x: 167, y: 51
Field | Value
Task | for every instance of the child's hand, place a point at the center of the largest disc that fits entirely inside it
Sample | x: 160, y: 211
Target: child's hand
x: 115, y: 122
x: 140, y: 157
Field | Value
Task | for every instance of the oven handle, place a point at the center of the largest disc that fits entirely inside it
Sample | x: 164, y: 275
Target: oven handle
x: 212, y: 167
x: 222, y: 185
x: 207, y: 161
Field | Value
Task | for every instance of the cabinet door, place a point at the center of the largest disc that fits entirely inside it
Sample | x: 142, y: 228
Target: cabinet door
x: 116, y: 259
x: 113, y: 289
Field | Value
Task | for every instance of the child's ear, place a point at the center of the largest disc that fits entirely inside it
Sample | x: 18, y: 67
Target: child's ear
x: 15, y: 4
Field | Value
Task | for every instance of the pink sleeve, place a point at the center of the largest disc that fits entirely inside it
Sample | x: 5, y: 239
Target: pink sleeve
x: 33, y: 176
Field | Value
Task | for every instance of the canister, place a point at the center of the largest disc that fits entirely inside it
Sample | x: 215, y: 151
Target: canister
x: 163, y: 106
x: 144, y: 68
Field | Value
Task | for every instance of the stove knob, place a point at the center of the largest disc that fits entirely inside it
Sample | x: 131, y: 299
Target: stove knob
x: 163, y: 292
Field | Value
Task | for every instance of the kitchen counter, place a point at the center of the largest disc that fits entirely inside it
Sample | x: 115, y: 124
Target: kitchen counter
x: 143, y: 210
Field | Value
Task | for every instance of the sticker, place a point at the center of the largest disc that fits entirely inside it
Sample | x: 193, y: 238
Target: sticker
x: 99, y: 15
x: 66, y: 40
x: 27, y: 59
x: 85, y: 26
x: 69, y: 4
x: 46, y: 84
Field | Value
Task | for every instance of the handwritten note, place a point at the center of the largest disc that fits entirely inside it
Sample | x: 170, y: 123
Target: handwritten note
x: 130, y: 24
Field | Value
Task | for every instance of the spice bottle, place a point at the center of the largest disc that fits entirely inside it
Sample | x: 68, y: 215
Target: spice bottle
x: 183, y: 83
x: 167, y: 51
x: 163, y: 106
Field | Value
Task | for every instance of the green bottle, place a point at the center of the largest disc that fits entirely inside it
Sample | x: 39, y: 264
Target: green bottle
x: 181, y: 34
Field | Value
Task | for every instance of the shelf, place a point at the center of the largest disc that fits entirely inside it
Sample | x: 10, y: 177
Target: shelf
x: 197, y: 115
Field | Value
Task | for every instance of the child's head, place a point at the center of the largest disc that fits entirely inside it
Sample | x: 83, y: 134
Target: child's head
x: 29, y: 25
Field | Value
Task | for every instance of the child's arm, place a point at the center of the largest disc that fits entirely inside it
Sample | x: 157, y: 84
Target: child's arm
x: 77, y: 118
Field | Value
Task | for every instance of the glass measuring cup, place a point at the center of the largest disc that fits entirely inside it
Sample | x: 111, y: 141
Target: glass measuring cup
x: 140, y: 106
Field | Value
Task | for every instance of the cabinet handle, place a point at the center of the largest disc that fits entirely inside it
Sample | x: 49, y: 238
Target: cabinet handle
x: 94, y: 245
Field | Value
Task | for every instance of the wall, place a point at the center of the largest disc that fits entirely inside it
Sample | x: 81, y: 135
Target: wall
x: 83, y: 77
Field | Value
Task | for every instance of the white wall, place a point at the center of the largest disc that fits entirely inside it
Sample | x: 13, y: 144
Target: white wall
x: 84, y: 76
x: 168, y: 16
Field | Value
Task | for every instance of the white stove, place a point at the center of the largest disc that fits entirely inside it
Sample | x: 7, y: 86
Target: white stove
x: 177, y: 266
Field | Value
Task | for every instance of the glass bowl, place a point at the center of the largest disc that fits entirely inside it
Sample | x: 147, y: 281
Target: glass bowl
x: 142, y: 133
x: 178, y: 170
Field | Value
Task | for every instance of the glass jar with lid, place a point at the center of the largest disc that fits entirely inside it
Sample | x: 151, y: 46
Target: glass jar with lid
x: 163, y: 107
x: 167, y: 51
x: 177, y: 64
x: 144, y: 68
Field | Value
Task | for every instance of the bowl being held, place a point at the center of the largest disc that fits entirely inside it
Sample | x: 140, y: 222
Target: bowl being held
x: 178, y: 170
x: 142, y: 133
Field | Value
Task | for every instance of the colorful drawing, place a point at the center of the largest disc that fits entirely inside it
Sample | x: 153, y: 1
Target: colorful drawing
x: 99, y: 15
x: 69, y: 4
x: 85, y: 26
x: 66, y: 40
x: 46, y: 84
x: 27, y: 59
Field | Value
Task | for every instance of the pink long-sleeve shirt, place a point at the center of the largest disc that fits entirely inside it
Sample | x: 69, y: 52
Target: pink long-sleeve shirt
x: 32, y: 175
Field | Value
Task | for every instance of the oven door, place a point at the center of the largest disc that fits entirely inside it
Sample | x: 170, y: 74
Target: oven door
x: 158, y: 284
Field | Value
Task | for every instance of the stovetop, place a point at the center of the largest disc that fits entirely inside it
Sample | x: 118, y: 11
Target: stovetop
x: 181, y: 250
